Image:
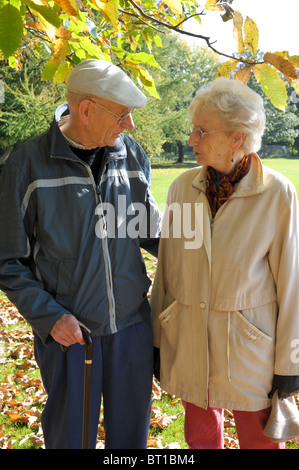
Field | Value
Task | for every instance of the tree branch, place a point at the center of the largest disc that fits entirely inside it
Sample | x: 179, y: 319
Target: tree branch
x: 175, y: 28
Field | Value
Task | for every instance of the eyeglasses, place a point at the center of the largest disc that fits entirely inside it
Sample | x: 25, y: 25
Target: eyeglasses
x: 120, y: 118
x: 201, y: 134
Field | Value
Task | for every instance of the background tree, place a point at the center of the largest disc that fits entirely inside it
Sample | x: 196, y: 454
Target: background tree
x: 162, y: 125
x: 29, y: 104
x: 184, y: 70
x: 281, y: 128
x: 73, y: 31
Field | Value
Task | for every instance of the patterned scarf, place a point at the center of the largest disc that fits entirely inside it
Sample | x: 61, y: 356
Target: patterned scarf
x: 220, y: 188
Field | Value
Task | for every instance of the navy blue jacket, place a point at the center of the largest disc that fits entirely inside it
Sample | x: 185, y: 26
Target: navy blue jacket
x: 70, y: 244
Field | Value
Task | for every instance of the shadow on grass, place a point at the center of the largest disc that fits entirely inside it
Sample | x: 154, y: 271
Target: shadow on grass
x: 173, y: 164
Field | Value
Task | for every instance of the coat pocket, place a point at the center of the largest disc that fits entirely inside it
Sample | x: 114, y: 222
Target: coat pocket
x: 251, y: 332
x: 169, y: 320
x: 175, y: 347
x: 169, y: 314
x: 56, y: 275
x: 251, y: 358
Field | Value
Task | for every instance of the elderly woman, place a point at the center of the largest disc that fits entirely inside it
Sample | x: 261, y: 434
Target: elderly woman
x: 226, y: 308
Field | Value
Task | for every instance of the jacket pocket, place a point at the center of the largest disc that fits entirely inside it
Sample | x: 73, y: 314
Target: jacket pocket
x: 56, y: 275
x: 175, y: 348
x: 251, y: 332
x: 169, y: 314
x: 169, y: 329
x: 251, y: 354
x: 65, y: 276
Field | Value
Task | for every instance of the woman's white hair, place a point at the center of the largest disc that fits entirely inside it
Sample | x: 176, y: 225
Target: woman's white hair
x: 237, y: 106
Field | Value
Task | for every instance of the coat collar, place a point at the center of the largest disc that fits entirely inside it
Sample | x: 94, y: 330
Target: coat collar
x: 250, y: 185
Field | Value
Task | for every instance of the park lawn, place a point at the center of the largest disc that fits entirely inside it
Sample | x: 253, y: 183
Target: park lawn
x: 163, y: 175
x: 288, y: 167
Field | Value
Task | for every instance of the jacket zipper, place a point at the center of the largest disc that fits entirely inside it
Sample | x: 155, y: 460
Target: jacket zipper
x: 108, y: 269
x: 107, y: 261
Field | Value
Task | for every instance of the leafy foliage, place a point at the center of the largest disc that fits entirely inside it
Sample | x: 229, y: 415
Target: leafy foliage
x: 29, y: 104
x: 114, y: 30
x: 183, y: 71
x: 267, y: 71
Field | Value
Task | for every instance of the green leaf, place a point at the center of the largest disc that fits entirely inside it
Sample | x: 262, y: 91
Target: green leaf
x: 144, y: 78
x: 93, y: 50
x: 46, y: 12
x: 11, y: 29
x: 62, y: 72
x: 272, y: 85
x: 49, y: 70
x: 158, y: 40
x: 142, y: 58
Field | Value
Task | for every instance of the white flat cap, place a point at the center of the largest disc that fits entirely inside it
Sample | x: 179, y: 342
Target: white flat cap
x: 105, y: 80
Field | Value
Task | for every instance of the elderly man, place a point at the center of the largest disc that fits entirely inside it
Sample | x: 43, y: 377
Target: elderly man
x: 75, y: 207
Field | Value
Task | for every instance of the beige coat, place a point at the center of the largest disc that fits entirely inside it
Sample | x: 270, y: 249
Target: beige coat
x: 226, y: 314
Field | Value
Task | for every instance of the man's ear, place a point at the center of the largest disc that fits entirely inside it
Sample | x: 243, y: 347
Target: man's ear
x: 84, y: 109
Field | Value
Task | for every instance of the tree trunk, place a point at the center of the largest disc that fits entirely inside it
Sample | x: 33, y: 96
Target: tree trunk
x: 180, y: 148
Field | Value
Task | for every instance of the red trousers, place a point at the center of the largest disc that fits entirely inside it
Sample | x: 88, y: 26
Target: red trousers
x: 204, y: 428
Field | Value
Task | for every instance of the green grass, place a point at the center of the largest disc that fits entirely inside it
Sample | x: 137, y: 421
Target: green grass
x: 164, y: 174
x: 162, y: 177
x: 288, y: 167
x: 174, y: 432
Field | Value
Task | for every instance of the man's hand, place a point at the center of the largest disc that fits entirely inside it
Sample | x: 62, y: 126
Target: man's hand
x: 66, y: 330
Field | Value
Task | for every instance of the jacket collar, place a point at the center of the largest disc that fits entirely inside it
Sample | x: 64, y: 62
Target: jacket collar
x: 250, y: 185
x: 61, y: 149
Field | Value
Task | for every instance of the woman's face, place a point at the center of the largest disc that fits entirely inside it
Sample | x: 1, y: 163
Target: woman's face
x: 215, y: 148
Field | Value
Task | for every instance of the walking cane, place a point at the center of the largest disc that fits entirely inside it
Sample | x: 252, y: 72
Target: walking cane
x: 87, y: 388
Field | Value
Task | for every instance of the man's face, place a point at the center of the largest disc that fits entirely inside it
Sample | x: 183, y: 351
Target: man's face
x: 106, y: 121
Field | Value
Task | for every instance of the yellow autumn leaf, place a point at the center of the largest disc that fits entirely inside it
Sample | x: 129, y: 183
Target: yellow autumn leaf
x: 143, y: 76
x: 49, y: 29
x: 69, y: 6
x: 295, y: 60
x: 243, y: 75
x: 295, y: 85
x: 63, y: 33
x: 59, y: 50
x: 175, y: 6
x: 237, y: 31
x: 227, y: 67
x: 108, y: 10
x: 284, y: 54
x: 36, y: 25
x: 251, y: 35
x: 140, y: 72
x: 284, y: 65
x: 272, y: 84
x: 211, y: 5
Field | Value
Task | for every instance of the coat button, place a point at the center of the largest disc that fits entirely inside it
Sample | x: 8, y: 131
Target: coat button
x: 202, y: 305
